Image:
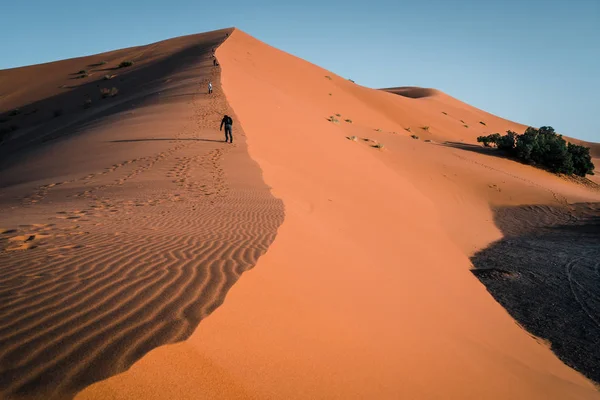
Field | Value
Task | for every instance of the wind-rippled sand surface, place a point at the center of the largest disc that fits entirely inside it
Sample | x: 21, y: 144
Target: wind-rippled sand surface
x: 98, y: 268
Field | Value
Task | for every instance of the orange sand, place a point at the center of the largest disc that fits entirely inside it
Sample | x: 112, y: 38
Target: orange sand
x: 366, y: 290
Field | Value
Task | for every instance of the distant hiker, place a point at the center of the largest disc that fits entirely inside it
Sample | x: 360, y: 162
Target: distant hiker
x: 209, y: 87
x: 228, y: 122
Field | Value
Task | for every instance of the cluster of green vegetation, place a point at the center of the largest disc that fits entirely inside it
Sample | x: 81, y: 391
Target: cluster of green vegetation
x: 545, y: 148
x: 126, y: 64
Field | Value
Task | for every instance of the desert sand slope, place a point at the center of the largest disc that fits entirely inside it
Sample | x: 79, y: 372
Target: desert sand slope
x: 366, y: 291
x: 122, y: 226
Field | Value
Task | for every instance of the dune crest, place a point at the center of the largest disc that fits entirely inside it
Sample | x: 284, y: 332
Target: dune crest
x: 123, y: 224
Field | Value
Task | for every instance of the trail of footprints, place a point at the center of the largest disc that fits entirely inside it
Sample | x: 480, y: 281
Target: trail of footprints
x: 201, y: 176
x: 165, y: 284
x: 208, y: 165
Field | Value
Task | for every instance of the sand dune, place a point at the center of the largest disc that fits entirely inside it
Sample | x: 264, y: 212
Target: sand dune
x: 366, y: 289
x: 126, y: 229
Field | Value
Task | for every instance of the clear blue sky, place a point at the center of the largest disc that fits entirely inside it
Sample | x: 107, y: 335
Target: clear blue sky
x: 532, y: 61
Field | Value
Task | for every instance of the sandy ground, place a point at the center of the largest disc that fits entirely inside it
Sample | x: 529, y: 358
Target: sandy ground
x: 124, y: 230
x: 366, y: 291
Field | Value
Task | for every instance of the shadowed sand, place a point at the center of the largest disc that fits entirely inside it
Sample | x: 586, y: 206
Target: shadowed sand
x: 123, y: 225
x: 546, y: 273
x: 366, y: 291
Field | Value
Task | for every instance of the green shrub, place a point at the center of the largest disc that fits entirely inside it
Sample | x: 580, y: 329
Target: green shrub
x: 338, y: 115
x: 348, y: 121
x: 333, y: 119
x: 489, y: 139
x: 425, y: 128
x: 407, y: 129
x: 414, y: 136
x: 353, y: 138
x: 582, y: 161
x: 482, y: 123
x: 82, y: 72
x: 379, y: 146
x: 545, y: 148
x: 125, y: 64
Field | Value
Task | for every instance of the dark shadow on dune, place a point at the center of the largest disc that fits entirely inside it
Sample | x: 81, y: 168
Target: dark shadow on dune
x: 488, y: 151
x: 412, y: 92
x: 167, y: 139
x: 139, y: 85
x: 546, y: 273
x: 71, y: 320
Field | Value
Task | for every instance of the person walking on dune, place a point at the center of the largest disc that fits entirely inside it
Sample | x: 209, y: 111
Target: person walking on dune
x: 209, y: 87
x: 228, y: 122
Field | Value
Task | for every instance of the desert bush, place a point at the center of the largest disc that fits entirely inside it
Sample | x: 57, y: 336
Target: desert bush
x: 328, y: 77
x: 489, y: 139
x: 125, y: 64
x: 582, y: 161
x: 106, y: 92
x: 482, y: 123
x: 338, y: 115
x: 444, y: 112
x: 333, y: 119
x: 108, y: 77
x: 425, y: 128
x: 414, y: 136
x: 378, y: 130
x: 83, y: 76
x: 379, y: 146
x: 466, y: 126
x: 545, y: 148
x: 82, y: 72
x: 351, y: 80
x: 348, y: 121
x: 407, y: 129
x: 14, y: 112
x: 353, y: 138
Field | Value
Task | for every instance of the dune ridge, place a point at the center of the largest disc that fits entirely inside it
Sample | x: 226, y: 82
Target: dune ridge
x: 104, y: 259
